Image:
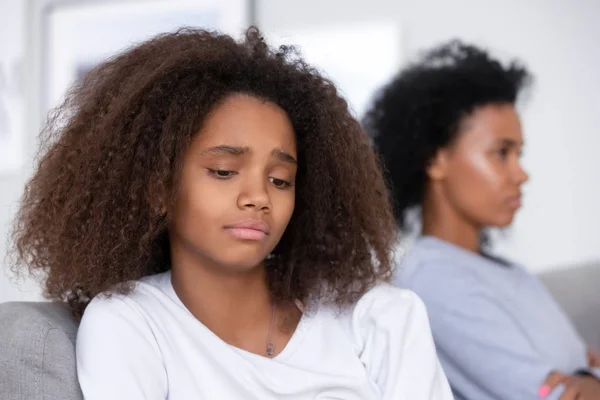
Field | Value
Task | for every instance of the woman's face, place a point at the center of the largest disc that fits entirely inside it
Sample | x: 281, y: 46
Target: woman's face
x: 236, y: 194
x: 480, y: 174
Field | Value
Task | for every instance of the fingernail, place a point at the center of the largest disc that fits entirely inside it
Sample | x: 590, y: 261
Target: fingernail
x: 544, y: 391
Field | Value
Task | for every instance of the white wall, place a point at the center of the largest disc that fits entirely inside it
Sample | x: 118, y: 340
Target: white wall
x: 560, y: 223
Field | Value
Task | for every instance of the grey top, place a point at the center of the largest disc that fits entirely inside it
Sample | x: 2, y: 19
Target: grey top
x: 497, y: 330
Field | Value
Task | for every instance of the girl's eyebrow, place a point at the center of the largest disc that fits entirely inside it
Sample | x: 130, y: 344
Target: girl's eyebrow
x: 283, y: 156
x: 224, y: 149
x: 240, y: 151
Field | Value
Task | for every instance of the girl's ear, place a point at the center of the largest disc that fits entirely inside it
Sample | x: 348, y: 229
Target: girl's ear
x: 161, y: 207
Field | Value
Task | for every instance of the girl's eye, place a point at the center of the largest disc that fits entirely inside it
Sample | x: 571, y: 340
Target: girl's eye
x: 221, y: 173
x: 280, y: 183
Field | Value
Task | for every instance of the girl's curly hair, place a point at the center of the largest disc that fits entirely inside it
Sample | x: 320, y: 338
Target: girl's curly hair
x: 91, y: 216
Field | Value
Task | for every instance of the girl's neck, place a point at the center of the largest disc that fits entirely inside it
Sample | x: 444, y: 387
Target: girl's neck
x: 234, y: 305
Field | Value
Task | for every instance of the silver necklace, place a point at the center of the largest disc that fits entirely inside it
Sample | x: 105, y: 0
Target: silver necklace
x: 270, y: 346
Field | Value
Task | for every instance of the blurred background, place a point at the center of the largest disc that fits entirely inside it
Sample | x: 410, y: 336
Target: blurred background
x: 47, y: 45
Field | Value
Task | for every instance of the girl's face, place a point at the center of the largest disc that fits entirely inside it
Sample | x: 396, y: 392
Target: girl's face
x: 480, y: 173
x: 236, y: 193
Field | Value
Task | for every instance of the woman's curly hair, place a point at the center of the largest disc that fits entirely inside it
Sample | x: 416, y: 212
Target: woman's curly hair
x: 420, y: 111
x: 91, y: 216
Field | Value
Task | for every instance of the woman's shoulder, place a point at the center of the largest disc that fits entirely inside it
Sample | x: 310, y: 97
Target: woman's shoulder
x: 430, y: 261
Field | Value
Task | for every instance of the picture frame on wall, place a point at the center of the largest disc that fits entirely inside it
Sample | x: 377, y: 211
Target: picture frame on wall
x: 11, y: 114
x: 11, y: 90
x: 76, y: 35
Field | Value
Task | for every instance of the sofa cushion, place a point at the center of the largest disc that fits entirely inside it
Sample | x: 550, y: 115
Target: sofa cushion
x: 37, y: 352
x: 577, y: 290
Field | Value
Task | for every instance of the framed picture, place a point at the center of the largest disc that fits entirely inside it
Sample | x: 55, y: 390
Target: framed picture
x: 11, y: 89
x: 76, y: 35
x: 11, y: 117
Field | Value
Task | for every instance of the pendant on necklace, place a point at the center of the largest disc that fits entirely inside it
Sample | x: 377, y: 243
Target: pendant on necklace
x: 270, y: 349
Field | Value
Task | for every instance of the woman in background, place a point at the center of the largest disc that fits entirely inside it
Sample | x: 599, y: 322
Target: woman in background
x: 451, y: 139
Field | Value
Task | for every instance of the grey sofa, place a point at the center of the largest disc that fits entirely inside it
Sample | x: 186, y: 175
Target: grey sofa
x: 37, y: 340
x: 37, y: 352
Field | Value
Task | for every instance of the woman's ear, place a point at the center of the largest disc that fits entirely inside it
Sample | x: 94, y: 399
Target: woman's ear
x: 438, y: 165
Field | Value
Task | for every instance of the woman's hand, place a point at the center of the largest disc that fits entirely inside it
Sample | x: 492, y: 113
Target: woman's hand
x: 593, y: 358
x: 576, y: 387
x: 589, y: 387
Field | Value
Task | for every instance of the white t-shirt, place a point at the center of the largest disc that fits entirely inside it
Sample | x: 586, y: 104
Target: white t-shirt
x: 147, y: 345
